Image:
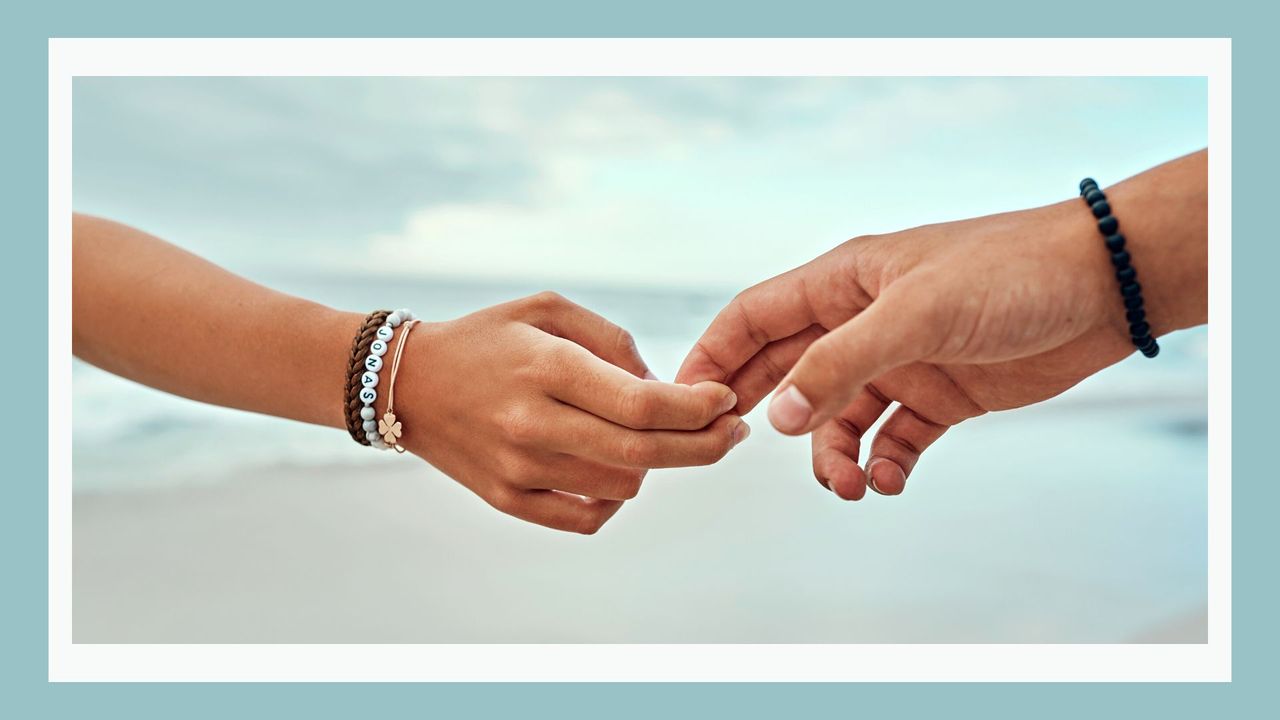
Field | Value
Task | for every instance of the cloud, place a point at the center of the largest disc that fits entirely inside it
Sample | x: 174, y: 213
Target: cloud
x: 614, y: 179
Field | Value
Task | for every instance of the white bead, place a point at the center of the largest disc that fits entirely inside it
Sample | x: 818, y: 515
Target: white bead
x: 405, y: 314
x: 394, y: 319
x: 378, y: 347
x: 369, y: 379
x: 380, y: 444
x: 385, y: 332
x: 370, y: 426
x: 368, y: 395
x: 373, y: 362
x: 368, y: 413
x: 371, y: 436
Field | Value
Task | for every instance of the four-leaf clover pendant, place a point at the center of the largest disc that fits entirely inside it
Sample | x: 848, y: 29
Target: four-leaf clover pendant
x: 391, y: 430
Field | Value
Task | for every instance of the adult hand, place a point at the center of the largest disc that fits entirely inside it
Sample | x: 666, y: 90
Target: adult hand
x: 546, y: 411
x: 952, y: 321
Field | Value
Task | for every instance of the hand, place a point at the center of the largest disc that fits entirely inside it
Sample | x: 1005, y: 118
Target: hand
x: 952, y: 321
x: 543, y: 409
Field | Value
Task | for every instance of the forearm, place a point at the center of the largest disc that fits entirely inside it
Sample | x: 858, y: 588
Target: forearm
x: 158, y: 315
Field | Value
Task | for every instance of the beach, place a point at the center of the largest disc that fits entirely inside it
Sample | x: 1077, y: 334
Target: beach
x: 1081, y: 520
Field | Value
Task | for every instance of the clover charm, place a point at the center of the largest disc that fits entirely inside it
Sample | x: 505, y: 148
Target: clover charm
x: 391, y: 430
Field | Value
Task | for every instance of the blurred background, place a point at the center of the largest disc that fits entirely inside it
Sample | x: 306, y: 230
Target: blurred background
x: 651, y: 201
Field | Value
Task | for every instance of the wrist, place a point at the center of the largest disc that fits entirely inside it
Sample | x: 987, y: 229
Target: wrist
x: 1163, y: 218
x: 320, y: 364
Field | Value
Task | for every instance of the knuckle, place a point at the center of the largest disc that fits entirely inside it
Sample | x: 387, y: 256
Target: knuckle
x: 589, y: 524
x: 636, y: 450
x: 517, y: 470
x: 503, y: 498
x: 824, y: 359
x: 718, y: 445
x: 637, y: 405
x: 520, y: 425
x: 547, y: 299
x: 625, y: 342
x: 628, y: 486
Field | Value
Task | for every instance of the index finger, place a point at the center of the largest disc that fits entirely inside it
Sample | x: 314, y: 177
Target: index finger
x: 772, y: 310
x: 611, y: 393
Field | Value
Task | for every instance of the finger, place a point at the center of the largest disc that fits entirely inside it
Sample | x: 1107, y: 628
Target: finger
x: 584, y: 435
x: 558, y: 316
x: 896, y: 329
x: 557, y: 510
x: 583, y: 477
x: 763, y: 372
x: 609, y: 392
x: 897, y: 447
x: 837, y: 443
x: 775, y: 309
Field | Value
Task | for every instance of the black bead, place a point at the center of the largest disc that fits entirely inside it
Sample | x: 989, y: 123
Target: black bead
x: 1141, y: 341
x: 1108, y: 225
x: 1087, y: 181
x: 1136, y: 316
x: 1120, y: 259
x: 1126, y: 274
x: 1150, y: 350
x: 1133, y: 303
x: 1115, y: 243
x: 1093, y: 195
x: 1139, y: 329
x: 1100, y: 209
x: 1133, y: 289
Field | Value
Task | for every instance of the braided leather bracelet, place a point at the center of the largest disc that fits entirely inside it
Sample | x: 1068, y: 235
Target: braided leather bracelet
x: 352, y: 405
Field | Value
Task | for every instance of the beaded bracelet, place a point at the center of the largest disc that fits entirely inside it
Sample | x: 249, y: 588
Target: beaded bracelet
x: 1126, y: 275
x: 373, y: 364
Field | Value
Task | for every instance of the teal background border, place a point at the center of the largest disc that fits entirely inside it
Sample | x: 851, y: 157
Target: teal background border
x: 24, y: 31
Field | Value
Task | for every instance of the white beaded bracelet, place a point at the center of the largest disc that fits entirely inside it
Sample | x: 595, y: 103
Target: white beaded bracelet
x: 369, y: 380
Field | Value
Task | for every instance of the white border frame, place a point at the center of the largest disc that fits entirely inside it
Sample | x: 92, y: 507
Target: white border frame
x: 69, y: 58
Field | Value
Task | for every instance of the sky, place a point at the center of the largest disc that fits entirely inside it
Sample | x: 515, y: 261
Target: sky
x: 649, y: 182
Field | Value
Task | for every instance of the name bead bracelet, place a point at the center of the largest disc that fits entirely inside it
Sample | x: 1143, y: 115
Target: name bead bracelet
x: 364, y: 368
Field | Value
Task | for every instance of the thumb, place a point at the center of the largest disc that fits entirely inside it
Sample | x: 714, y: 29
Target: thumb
x: 893, y: 331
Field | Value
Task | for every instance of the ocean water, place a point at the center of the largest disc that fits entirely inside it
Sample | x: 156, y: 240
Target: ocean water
x: 1077, y: 520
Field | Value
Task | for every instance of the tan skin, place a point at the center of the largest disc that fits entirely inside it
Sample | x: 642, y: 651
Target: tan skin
x: 955, y: 320
x: 543, y: 409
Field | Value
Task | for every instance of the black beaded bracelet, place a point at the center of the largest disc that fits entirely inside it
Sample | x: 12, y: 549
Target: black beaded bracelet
x: 1126, y: 275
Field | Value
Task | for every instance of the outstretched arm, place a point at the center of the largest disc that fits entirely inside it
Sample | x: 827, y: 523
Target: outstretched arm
x: 158, y: 315
x: 539, y: 406
x: 954, y: 320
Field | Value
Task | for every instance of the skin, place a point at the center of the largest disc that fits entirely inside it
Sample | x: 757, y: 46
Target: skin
x: 543, y: 409
x: 955, y: 320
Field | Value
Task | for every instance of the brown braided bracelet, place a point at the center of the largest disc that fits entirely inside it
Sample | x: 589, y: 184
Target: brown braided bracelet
x: 355, y: 368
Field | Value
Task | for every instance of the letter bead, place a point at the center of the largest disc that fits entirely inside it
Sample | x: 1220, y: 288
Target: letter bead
x: 373, y: 362
x: 385, y: 333
x: 369, y: 379
x: 378, y: 348
x: 368, y: 395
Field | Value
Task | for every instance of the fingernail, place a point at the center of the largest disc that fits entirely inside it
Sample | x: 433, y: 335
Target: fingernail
x: 740, y: 433
x: 789, y: 411
x: 729, y: 402
x: 888, y: 467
